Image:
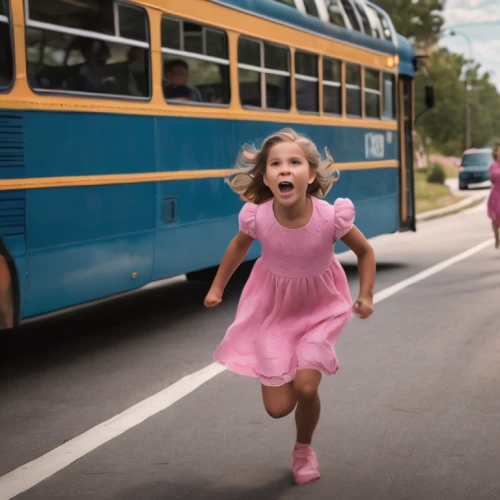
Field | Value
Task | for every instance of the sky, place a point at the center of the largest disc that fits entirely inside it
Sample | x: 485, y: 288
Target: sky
x: 480, y: 21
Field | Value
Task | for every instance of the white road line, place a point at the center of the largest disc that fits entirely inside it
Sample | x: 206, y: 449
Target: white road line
x: 390, y: 291
x: 25, y: 477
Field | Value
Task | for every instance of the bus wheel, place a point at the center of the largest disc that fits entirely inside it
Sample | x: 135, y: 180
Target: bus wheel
x: 6, y: 296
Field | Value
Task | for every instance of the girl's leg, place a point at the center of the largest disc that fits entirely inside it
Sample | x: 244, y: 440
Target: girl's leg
x: 306, y: 386
x: 496, y: 232
x: 305, y: 464
x: 279, y: 401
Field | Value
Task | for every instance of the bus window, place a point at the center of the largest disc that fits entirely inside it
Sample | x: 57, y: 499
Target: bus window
x: 195, y: 63
x: 291, y: 3
x: 378, y: 31
x: 372, y: 93
x: 351, y: 14
x: 6, y: 56
x: 335, y: 12
x: 389, y: 97
x: 364, y: 18
x: 311, y: 7
x: 353, y: 89
x: 332, y: 86
x: 306, y: 82
x: 263, y: 74
x: 385, y: 27
x: 94, y: 48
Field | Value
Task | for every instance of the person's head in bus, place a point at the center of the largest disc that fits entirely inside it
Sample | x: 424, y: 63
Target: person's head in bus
x: 177, y: 72
x: 95, y: 52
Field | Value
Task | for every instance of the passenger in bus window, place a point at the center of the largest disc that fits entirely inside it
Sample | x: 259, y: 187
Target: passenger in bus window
x: 137, y: 66
x: 6, y: 62
x: 92, y: 75
x: 177, y: 74
x: 178, y: 93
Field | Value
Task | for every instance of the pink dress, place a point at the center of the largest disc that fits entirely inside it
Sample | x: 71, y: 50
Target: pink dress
x: 494, y: 198
x: 296, y: 300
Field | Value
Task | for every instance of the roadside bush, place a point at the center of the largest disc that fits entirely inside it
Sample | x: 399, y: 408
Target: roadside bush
x: 436, y: 174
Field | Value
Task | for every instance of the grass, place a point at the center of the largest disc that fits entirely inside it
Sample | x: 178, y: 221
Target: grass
x: 431, y: 196
x: 448, y: 165
x: 461, y: 209
x: 450, y: 171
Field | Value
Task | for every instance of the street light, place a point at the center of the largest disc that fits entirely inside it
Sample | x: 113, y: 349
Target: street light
x: 468, y: 88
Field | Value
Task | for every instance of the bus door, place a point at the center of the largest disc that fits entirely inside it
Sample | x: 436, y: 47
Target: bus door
x: 407, y: 188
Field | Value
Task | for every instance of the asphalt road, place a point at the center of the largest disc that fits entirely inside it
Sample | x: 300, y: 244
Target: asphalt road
x: 413, y: 413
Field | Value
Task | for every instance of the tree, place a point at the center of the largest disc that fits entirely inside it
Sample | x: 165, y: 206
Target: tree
x: 421, y: 20
x: 444, y: 125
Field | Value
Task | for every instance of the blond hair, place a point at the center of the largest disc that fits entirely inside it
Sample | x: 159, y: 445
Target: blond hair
x: 496, y: 151
x: 250, y: 167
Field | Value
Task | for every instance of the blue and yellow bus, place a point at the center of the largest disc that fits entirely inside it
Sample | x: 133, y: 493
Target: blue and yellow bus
x: 120, y: 120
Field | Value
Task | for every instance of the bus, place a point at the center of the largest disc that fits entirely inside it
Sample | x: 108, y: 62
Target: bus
x: 120, y: 120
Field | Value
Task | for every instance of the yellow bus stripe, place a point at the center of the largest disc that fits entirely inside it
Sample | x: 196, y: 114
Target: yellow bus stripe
x: 100, y: 180
x: 92, y: 105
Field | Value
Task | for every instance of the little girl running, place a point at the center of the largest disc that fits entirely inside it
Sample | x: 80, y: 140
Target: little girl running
x: 494, y: 198
x: 297, y: 300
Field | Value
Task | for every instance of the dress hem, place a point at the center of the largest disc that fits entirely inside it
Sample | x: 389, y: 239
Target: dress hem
x: 277, y: 380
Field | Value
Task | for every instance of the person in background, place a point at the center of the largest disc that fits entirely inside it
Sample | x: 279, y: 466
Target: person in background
x: 494, y: 198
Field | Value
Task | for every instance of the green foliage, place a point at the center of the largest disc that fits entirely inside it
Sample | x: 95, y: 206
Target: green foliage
x: 422, y: 19
x: 436, y: 174
x: 443, y: 127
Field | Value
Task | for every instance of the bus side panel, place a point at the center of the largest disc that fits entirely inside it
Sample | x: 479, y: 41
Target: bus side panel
x: 85, y: 243
x: 206, y: 210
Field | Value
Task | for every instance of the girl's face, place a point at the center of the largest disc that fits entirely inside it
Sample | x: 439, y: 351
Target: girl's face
x: 288, y: 173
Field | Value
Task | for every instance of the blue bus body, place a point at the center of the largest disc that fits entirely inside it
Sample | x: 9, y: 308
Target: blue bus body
x: 94, y: 237
x: 72, y: 245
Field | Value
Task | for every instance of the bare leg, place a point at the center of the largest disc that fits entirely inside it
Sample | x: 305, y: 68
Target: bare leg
x: 496, y: 231
x: 279, y: 401
x: 306, y: 386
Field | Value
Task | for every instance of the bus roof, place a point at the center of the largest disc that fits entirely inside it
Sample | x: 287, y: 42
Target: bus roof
x: 284, y: 14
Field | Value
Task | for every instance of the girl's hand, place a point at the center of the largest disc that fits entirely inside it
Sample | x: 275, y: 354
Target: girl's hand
x: 363, y: 307
x: 214, y: 297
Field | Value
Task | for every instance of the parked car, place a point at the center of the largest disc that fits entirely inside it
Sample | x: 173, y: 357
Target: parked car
x: 474, y: 167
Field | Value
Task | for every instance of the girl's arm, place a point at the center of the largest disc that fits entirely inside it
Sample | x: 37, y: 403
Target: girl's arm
x: 235, y: 253
x: 355, y: 240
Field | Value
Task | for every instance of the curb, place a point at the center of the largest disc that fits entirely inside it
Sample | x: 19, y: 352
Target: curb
x: 470, y: 200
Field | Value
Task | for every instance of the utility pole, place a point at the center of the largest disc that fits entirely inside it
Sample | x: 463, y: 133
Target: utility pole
x: 468, y: 88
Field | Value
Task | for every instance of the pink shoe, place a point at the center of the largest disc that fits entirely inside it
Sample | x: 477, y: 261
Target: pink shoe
x: 305, y: 466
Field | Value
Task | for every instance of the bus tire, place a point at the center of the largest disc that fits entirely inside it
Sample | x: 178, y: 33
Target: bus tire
x: 9, y: 291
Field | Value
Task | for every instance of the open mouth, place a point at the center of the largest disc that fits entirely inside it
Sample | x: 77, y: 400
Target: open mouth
x: 285, y: 187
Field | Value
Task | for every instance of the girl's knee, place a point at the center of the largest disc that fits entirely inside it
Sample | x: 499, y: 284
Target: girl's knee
x: 277, y: 412
x: 307, y: 391
x: 279, y: 401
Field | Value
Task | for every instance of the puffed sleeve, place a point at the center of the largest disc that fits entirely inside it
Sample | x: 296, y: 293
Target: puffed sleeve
x: 344, y: 217
x: 247, y: 219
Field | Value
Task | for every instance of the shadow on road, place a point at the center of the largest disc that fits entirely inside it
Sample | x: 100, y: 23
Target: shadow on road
x: 78, y: 333
x: 202, y: 489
